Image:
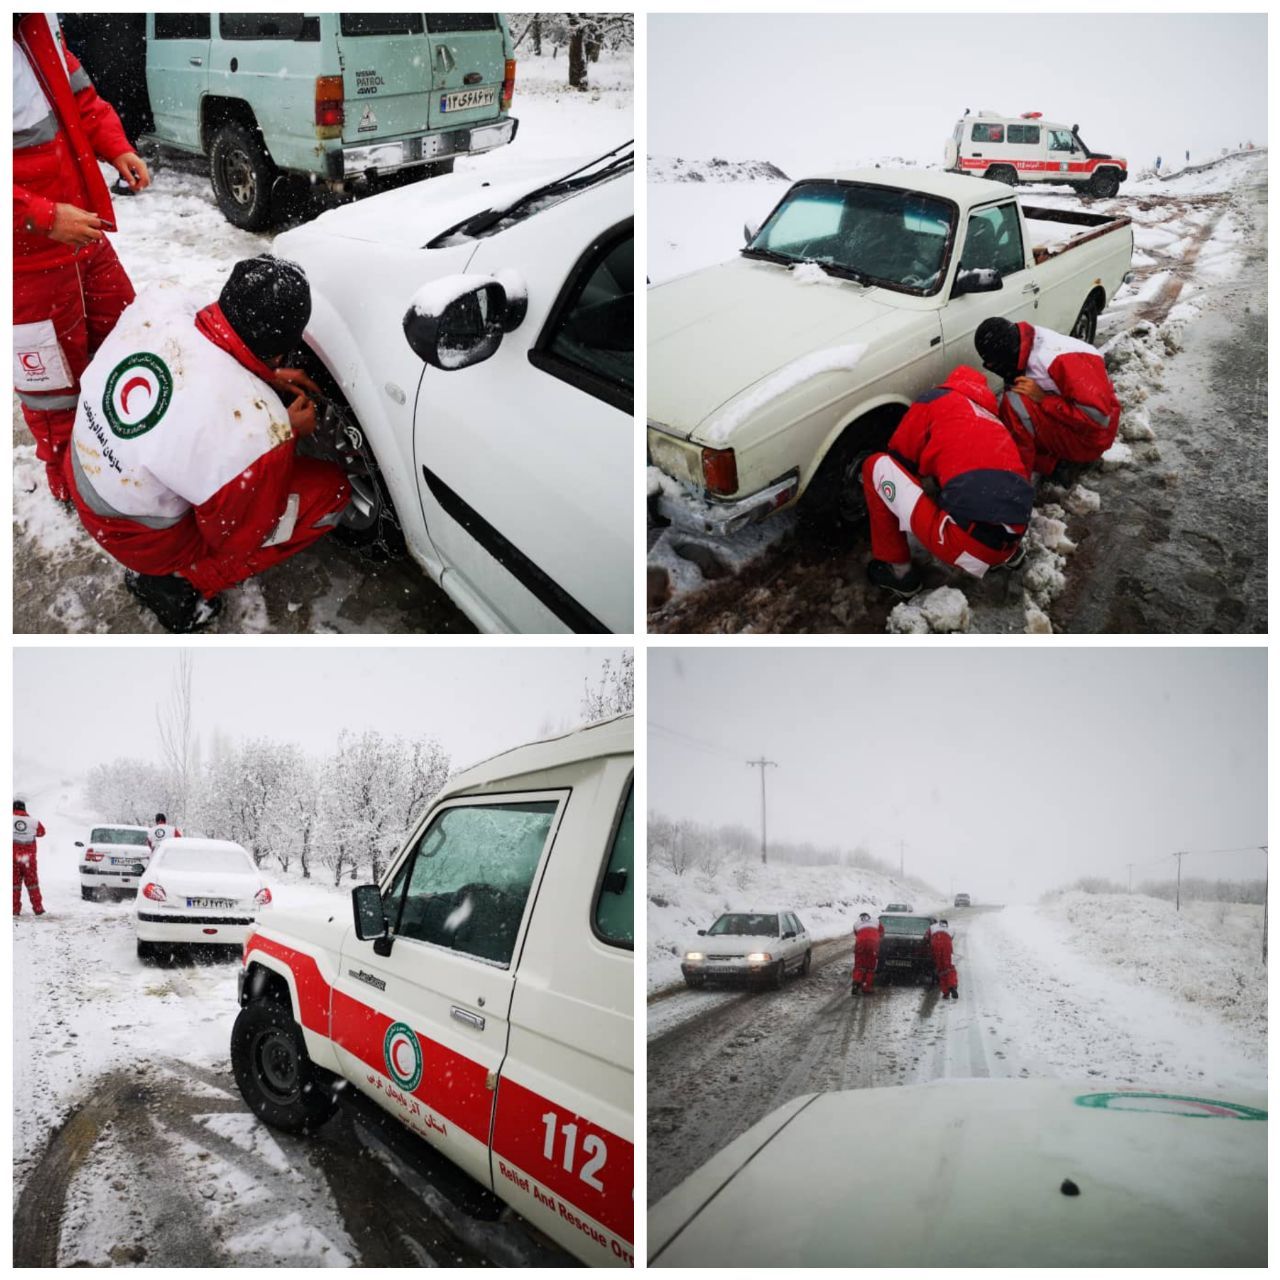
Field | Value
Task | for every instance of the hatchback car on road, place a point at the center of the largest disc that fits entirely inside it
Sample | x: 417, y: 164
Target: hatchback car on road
x: 112, y: 861
x: 198, y: 892
x: 904, y: 949
x: 758, y: 947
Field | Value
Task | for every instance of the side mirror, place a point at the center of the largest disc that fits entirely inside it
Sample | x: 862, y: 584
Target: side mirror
x: 615, y: 881
x: 460, y: 321
x: 702, y: 933
x: 79, y: 844
x: 366, y: 900
x: 750, y: 231
x: 977, y: 280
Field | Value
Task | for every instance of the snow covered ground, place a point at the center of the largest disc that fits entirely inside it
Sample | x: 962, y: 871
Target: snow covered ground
x: 174, y: 231
x: 131, y: 1141
x: 1193, y: 237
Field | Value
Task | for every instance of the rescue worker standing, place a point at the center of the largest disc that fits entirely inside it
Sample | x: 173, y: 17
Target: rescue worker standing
x: 951, y: 435
x: 183, y: 460
x: 1058, y: 402
x: 866, y: 950
x: 162, y: 831
x: 940, y: 943
x: 26, y: 831
x: 68, y: 285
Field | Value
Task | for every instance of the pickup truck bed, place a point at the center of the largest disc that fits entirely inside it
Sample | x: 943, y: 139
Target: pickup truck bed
x: 1074, y: 226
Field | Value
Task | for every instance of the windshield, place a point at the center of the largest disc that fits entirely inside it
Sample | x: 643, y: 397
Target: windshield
x: 876, y: 235
x: 745, y: 926
x: 117, y: 835
x: 226, y: 861
x: 907, y: 926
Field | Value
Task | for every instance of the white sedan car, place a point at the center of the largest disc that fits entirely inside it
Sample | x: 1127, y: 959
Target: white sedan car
x: 475, y: 334
x: 113, y: 860
x: 759, y: 947
x: 205, y: 892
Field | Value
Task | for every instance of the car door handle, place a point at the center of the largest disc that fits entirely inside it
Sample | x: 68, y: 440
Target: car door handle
x: 1031, y: 288
x: 196, y: 62
x: 465, y: 1015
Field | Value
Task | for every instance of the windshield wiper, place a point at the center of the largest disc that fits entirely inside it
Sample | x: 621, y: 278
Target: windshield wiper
x: 847, y: 273
x: 768, y: 255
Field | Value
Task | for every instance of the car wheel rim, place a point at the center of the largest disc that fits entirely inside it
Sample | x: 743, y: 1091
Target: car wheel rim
x: 852, y: 501
x: 237, y: 177
x: 277, y: 1067
x: 1085, y: 326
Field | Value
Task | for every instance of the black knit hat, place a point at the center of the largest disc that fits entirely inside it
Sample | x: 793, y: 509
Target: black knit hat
x: 999, y: 343
x: 161, y: 818
x: 20, y: 804
x: 267, y: 301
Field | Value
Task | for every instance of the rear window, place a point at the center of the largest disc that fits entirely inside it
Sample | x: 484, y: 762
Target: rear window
x: 745, y: 926
x: 907, y: 926
x: 380, y: 24
x: 176, y: 858
x: 440, y: 24
x: 260, y: 26
x: 117, y: 835
x: 182, y: 26
x: 988, y: 133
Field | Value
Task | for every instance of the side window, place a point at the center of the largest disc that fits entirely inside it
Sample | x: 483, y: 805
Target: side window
x: 1024, y: 134
x: 988, y: 133
x: 469, y: 877
x: 616, y: 900
x: 260, y: 26
x: 799, y: 926
x: 182, y: 26
x: 589, y: 339
x: 1061, y: 140
x: 994, y: 240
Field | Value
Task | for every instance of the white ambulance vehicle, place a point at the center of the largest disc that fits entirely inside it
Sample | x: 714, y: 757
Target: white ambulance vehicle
x: 1027, y: 148
x: 482, y: 993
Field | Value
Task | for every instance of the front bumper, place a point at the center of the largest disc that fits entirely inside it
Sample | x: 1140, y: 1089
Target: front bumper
x: 404, y: 153
x: 735, y: 969
x: 228, y: 928
x: 720, y: 518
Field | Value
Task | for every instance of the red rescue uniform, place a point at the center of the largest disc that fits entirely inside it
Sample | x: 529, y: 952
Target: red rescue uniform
x: 1077, y: 417
x: 951, y: 435
x: 26, y: 831
x: 866, y: 950
x: 943, y: 962
x: 66, y: 300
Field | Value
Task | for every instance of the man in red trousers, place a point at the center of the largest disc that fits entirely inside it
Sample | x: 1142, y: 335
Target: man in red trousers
x: 26, y: 831
x: 940, y: 943
x: 866, y: 950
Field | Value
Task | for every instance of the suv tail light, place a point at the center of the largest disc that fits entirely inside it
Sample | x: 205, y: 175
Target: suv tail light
x: 263, y: 897
x: 154, y: 892
x: 329, y: 111
x: 720, y: 471
x: 508, y: 82
x: 91, y: 856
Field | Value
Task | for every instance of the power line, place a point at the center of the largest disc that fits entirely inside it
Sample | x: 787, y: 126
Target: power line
x: 688, y: 740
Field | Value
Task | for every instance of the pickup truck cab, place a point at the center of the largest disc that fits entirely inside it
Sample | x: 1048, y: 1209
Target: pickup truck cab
x: 773, y: 375
x: 1027, y: 148
x: 482, y: 994
x: 337, y: 97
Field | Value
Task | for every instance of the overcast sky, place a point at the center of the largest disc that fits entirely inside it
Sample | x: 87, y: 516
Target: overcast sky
x: 814, y: 92
x: 73, y: 707
x: 1005, y: 771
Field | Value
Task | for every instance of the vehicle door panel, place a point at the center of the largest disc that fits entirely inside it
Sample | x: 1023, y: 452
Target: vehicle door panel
x: 384, y: 58
x: 177, y: 73
x: 467, y: 52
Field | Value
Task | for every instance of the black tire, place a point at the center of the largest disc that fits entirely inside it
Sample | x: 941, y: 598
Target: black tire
x: 1003, y: 173
x: 1086, y: 325
x: 779, y: 975
x: 146, y: 952
x: 807, y: 965
x: 834, y: 505
x: 243, y: 176
x: 277, y: 1079
x: 1106, y: 182
x: 89, y: 895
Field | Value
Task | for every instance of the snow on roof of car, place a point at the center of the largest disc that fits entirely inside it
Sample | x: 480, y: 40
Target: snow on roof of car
x: 199, y: 844
x: 959, y: 187
x: 611, y: 737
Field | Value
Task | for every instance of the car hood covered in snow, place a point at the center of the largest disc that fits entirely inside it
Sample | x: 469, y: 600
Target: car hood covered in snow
x: 734, y: 944
x: 715, y: 333
x: 982, y: 1173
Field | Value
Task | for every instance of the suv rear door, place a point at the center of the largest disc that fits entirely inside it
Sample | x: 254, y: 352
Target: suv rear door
x: 468, y: 60
x: 423, y: 1030
x: 177, y: 74
x: 386, y: 75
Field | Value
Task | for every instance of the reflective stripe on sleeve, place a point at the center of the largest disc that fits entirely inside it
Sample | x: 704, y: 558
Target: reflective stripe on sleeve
x: 1094, y: 415
x: 80, y: 80
x: 33, y: 135
x: 1015, y: 399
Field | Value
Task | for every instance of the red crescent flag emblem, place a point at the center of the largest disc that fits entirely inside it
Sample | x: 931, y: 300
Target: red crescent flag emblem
x: 129, y: 386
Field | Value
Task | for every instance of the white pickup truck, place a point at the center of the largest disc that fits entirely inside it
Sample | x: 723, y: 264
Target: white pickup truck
x: 482, y: 994
x: 773, y: 375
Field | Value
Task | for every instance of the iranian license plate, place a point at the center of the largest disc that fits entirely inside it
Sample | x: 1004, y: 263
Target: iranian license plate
x: 902, y: 964
x: 211, y: 902
x: 124, y: 862
x: 468, y: 99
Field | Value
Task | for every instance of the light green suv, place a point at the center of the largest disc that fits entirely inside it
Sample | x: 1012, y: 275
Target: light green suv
x: 340, y: 97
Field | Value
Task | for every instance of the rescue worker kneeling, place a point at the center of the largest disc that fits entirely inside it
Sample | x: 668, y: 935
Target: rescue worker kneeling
x: 182, y: 463
x: 952, y: 435
x: 1058, y: 402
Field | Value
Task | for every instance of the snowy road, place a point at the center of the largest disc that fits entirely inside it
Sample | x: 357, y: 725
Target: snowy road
x: 1030, y: 1006
x: 132, y: 1145
x: 1149, y: 545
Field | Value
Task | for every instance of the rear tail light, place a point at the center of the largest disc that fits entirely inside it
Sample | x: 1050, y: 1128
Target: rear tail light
x: 90, y: 856
x: 263, y: 897
x: 329, y: 112
x: 154, y: 892
x: 508, y: 82
x: 720, y: 471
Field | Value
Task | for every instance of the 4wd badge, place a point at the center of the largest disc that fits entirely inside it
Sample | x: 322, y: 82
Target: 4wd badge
x: 137, y: 394
x: 403, y: 1055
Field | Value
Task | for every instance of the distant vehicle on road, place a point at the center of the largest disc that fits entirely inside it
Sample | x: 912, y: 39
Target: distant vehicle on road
x: 1001, y: 1192
x: 112, y: 861
x: 904, y: 949
x: 962, y: 900
x: 756, y: 947
x: 905, y: 907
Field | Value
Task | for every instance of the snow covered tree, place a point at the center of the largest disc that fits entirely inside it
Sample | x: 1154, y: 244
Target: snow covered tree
x: 614, y: 691
x: 583, y: 35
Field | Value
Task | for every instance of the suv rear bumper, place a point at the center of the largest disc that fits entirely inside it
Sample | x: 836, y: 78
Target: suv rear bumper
x: 405, y: 153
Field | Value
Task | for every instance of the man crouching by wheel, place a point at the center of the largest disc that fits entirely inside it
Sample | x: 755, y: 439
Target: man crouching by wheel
x: 183, y: 462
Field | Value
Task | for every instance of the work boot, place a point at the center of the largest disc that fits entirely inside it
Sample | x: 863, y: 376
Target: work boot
x: 1015, y: 560
x: 178, y: 606
x: 880, y: 574
x: 57, y: 482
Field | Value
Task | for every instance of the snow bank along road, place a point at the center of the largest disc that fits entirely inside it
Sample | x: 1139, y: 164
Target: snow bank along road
x: 1170, y: 528
x: 132, y: 1144
x: 1030, y: 1005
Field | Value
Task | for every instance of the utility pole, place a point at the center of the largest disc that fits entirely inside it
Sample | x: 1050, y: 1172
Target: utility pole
x: 762, y: 764
x: 901, y: 872
x: 1178, y: 902
x: 1265, y: 893
x: 1130, y: 877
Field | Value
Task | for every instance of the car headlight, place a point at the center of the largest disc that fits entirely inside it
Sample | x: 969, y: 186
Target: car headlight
x: 759, y: 957
x: 694, y: 955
